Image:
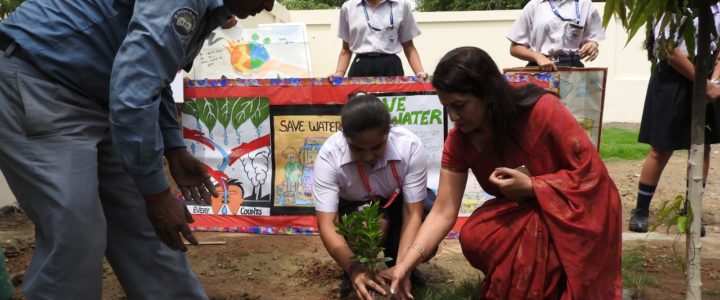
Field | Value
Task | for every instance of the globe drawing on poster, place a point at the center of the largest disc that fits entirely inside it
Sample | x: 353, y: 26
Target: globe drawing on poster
x: 268, y: 51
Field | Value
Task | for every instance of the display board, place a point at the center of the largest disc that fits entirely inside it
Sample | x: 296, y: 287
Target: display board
x: 582, y: 90
x: 268, y: 51
x: 258, y: 138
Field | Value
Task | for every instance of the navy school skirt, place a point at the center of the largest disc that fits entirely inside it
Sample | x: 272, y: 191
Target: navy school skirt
x: 376, y: 64
x: 666, y: 119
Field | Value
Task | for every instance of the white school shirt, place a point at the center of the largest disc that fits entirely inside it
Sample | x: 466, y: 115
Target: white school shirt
x: 353, y: 26
x: 539, y: 29
x: 336, y: 174
x: 714, y: 9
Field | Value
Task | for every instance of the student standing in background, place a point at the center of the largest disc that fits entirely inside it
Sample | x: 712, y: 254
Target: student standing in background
x: 374, y: 31
x: 553, y: 33
x: 666, y: 119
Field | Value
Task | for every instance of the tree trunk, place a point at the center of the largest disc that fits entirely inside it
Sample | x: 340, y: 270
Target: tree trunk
x: 697, y: 149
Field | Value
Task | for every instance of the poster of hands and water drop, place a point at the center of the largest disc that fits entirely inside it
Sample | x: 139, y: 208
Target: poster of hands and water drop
x: 231, y: 136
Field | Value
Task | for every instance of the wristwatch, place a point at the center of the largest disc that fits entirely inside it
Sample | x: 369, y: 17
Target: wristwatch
x: 715, y: 81
x: 422, y: 75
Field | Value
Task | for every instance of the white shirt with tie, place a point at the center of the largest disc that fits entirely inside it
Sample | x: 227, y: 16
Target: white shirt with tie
x: 379, y: 29
x: 542, y: 26
x: 336, y: 174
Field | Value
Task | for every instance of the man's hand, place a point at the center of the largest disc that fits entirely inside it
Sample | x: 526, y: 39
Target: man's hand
x: 170, y: 218
x: 190, y: 176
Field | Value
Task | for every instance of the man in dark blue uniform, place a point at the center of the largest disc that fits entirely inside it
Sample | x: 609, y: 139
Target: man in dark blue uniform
x: 86, y: 116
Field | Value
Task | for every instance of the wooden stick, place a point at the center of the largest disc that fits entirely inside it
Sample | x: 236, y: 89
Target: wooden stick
x: 208, y: 243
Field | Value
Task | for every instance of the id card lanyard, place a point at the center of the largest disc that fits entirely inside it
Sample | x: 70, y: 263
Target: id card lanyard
x: 557, y: 12
x: 366, y: 182
x: 367, y: 18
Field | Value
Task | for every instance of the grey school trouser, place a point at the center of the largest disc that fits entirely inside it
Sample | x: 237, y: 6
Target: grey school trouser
x: 57, y: 156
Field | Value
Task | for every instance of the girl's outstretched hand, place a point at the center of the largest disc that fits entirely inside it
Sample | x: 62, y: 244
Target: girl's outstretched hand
x: 399, y: 283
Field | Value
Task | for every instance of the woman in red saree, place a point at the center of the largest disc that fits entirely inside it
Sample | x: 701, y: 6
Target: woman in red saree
x: 554, y: 234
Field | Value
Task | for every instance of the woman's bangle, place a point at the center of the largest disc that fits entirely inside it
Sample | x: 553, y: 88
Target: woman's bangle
x: 422, y: 75
x: 419, y: 249
x: 715, y: 81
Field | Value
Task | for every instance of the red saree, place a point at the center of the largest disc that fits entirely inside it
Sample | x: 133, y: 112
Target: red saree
x: 566, y: 243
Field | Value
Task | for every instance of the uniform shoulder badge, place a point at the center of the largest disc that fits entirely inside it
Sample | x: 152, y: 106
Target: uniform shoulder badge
x: 184, y: 21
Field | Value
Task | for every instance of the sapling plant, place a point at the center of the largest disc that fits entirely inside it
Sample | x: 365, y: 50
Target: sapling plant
x: 674, y: 212
x: 361, y: 230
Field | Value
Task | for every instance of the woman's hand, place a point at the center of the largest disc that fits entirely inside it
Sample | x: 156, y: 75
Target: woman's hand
x: 713, y: 92
x: 512, y: 183
x: 545, y: 64
x: 361, y: 278
x: 589, y: 51
x: 400, y: 286
x: 338, y: 74
x: 422, y: 76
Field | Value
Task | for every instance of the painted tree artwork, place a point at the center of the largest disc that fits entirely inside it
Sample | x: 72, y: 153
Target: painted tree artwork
x: 232, y: 136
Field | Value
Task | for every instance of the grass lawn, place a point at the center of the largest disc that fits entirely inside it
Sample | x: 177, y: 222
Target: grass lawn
x: 621, y: 144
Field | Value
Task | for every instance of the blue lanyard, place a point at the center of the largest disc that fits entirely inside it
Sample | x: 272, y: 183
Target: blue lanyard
x: 367, y: 18
x: 557, y: 13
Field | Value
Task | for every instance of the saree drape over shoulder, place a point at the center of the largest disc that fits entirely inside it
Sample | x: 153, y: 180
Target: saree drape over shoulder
x: 563, y: 244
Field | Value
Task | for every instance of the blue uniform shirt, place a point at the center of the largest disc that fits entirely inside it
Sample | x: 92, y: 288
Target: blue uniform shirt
x: 122, y: 54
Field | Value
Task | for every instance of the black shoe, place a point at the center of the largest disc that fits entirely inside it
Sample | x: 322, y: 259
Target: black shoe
x: 345, y: 286
x: 639, y: 220
x: 417, y: 279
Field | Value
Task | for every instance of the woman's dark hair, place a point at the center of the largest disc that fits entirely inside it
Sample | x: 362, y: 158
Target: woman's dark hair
x: 362, y: 113
x: 470, y: 70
